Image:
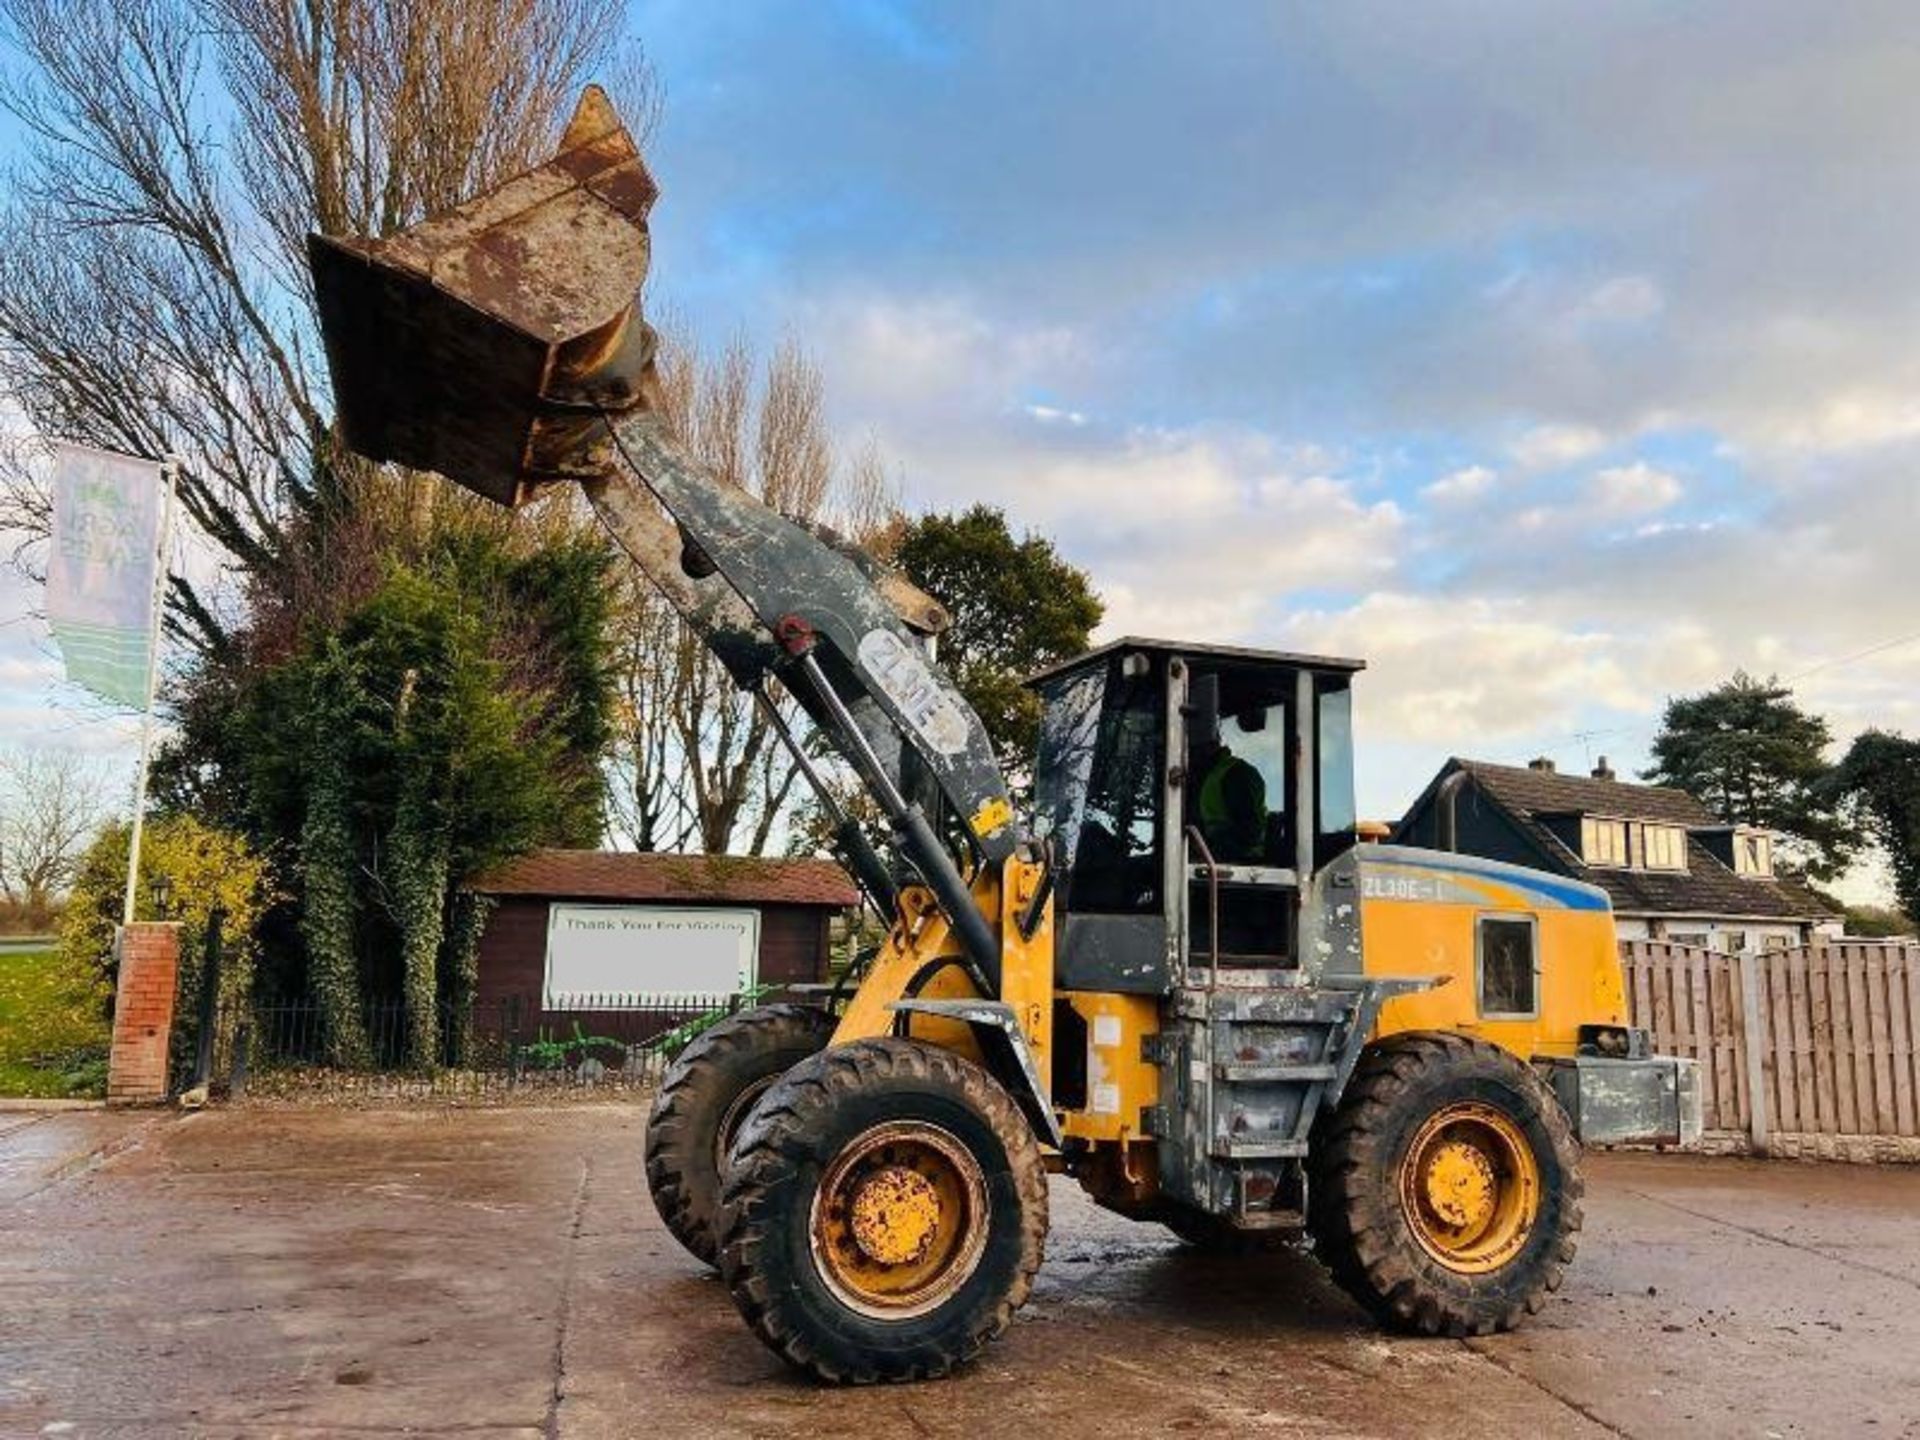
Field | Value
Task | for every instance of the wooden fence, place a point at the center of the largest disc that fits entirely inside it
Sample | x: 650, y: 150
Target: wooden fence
x: 1818, y: 1041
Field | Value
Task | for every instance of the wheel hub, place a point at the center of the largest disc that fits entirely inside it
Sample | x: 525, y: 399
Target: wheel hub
x: 894, y: 1215
x: 1470, y: 1188
x: 899, y: 1220
x: 1461, y: 1184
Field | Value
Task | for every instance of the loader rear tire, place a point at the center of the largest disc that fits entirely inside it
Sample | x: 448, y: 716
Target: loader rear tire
x: 1445, y: 1189
x: 703, y: 1099
x: 885, y: 1211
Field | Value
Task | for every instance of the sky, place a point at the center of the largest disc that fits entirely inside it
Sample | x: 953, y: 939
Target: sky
x: 1553, y: 359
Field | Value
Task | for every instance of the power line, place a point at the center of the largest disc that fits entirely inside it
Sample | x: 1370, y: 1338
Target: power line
x: 1893, y: 644
x: 1585, y: 737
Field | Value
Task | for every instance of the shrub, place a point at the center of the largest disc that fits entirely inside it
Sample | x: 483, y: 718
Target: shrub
x: 207, y: 869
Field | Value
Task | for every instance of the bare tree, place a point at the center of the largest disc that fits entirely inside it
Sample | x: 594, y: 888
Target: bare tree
x: 51, y: 802
x: 698, y: 762
x: 645, y: 807
x: 153, y: 288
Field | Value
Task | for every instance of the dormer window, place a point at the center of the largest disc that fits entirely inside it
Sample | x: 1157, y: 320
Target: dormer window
x: 1663, y: 847
x: 1632, y: 844
x: 1603, y: 842
x: 1753, y: 853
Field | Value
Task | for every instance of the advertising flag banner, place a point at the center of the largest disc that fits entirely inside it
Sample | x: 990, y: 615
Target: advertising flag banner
x: 101, y: 576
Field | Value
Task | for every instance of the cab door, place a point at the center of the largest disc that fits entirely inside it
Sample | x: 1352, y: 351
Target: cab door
x: 1239, y: 796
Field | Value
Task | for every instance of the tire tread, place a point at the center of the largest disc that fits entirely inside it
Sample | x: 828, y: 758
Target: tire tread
x: 688, y: 1086
x: 1350, y: 1212
x: 776, y: 1139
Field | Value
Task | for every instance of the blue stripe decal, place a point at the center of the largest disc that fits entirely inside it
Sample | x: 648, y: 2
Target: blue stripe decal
x: 1571, y: 894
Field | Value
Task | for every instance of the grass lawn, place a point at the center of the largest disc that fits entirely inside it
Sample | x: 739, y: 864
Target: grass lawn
x: 53, y: 1033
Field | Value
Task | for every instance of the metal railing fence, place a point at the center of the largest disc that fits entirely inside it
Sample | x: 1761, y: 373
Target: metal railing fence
x: 601, y: 1039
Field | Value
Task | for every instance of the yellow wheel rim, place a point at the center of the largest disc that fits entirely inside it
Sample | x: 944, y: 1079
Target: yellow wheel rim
x: 1470, y: 1187
x: 900, y: 1220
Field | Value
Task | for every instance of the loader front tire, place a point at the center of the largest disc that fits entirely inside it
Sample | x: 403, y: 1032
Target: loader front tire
x: 703, y: 1099
x: 885, y: 1211
x: 1445, y: 1188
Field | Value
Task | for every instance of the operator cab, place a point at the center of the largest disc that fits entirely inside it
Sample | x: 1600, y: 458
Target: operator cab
x: 1189, y: 792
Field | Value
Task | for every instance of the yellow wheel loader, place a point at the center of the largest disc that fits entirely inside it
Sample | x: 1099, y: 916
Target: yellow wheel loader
x: 1184, y: 981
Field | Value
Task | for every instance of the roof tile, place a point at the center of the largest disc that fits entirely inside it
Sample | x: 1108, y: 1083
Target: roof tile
x: 700, y: 879
x: 1705, y: 887
x: 1548, y: 792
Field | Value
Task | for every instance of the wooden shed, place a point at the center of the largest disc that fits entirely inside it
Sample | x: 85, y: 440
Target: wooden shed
x: 573, y: 930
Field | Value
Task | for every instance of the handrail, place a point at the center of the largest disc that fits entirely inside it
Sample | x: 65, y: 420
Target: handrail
x: 1194, y: 837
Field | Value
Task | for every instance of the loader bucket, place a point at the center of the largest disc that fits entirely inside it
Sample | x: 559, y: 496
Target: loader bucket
x: 484, y: 343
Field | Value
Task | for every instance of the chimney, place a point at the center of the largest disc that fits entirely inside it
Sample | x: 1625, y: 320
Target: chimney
x: 1604, y: 771
x: 1542, y: 764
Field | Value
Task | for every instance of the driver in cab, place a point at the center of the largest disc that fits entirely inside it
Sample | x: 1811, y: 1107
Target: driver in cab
x: 1232, y: 798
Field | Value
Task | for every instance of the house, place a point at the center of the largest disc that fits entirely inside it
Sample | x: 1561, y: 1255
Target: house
x: 1673, y: 869
x: 583, y: 930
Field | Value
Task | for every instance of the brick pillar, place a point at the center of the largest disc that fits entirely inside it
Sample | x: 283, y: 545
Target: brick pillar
x: 143, y: 1013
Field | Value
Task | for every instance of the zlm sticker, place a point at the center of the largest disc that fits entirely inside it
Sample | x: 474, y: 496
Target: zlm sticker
x: 903, y: 677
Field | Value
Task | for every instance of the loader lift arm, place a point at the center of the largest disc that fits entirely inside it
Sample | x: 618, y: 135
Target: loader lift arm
x: 860, y: 672
x: 502, y: 345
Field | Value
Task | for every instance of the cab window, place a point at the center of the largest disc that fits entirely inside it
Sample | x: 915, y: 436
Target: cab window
x: 1333, y: 788
x: 1098, y: 785
x: 1509, y: 973
x: 1239, y: 786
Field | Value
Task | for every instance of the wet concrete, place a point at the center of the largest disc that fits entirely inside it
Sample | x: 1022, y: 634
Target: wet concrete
x: 500, y: 1272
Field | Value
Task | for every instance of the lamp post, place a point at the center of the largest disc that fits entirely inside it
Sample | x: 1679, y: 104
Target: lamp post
x: 160, y: 895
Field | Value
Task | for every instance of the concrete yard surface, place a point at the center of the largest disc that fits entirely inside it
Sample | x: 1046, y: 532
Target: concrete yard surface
x: 500, y: 1272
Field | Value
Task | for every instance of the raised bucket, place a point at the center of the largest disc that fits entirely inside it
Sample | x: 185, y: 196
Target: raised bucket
x: 485, y: 343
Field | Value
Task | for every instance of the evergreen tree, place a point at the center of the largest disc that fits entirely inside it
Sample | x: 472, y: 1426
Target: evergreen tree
x: 1881, y: 774
x: 446, y: 710
x: 1754, y: 757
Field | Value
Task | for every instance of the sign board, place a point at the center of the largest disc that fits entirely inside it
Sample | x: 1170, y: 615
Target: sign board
x: 620, y: 950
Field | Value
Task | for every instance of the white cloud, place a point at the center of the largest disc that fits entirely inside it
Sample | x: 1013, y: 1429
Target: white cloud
x: 1049, y: 415
x: 1459, y: 486
x: 1468, y: 676
x: 1194, y: 532
x: 1552, y: 447
x: 1850, y: 420
x: 897, y: 354
x: 1629, y: 490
